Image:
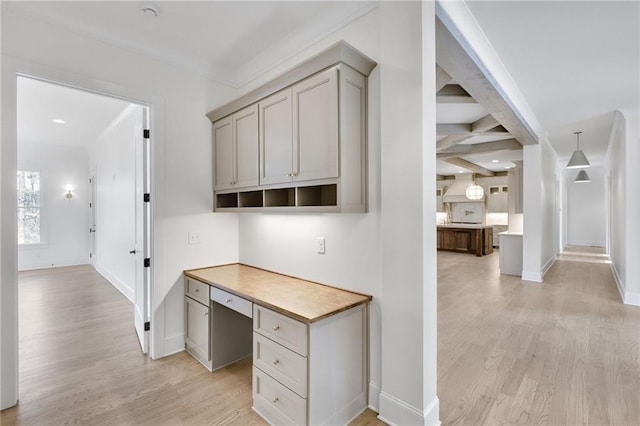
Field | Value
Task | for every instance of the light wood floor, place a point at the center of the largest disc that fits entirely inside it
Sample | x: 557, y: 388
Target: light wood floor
x: 565, y: 352
x: 509, y: 352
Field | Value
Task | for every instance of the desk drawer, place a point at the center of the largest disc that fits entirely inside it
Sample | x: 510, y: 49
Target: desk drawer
x: 282, y: 364
x: 231, y: 301
x: 276, y: 403
x: 281, y: 329
x: 197, y: 290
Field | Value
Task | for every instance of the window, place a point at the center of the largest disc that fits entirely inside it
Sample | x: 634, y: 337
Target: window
x: 28, y: 207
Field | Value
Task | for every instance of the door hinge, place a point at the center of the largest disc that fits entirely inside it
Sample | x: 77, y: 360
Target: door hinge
x: 90, y: 255
x: 146, y: 133
x: 90, y: 205
x: 146, y: 197
x: 147, y: 262
x: 147, y: 326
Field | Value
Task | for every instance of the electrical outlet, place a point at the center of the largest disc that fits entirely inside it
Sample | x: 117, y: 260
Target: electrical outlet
x: 194, y: 238
x: 320, y: 245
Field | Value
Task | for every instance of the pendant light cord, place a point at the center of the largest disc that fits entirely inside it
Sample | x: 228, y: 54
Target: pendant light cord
x: 578, y: 142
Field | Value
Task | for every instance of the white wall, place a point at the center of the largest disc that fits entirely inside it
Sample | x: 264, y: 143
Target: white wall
x: 586, y: 208
x: 181, y: 157
x: 621, y: 167
x: 379, y: 252
x: 112, y: 157
x: 540, y: 234
x: 64, y: 221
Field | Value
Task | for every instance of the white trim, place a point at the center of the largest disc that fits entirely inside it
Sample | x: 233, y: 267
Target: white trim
x: 76, y: 262
x: 173, y: 344
x: 588, y: 243
x: 374, y: 397
x: 432, y: 413
x: 394, y: 411
x: 632, y: 298
x: 120, y: 285
x: 533, y: 276
x: 618, y: 280
x: 548, y: 265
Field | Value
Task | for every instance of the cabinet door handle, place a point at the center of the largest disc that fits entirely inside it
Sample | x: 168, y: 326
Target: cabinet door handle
x: 295, y: 174
x: 275, y: 400
x: 205, y: 313
x: 197, y: 290
x: 276, y: 327
x: 275, y: 362
x: 228, y: 300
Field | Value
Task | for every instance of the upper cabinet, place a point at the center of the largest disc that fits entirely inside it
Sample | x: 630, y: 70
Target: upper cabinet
x: 297, y: 143
x: 498, y: 199
x: 235, y: 150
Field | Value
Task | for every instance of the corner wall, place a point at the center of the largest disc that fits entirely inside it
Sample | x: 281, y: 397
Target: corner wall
x: 622, y: 170
x: 181, y: 161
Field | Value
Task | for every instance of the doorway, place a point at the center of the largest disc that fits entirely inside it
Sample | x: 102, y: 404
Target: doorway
x: 89, y: 156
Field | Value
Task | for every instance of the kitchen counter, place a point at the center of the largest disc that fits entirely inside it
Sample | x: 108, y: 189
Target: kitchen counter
x: 465, y: 226
x: 465, y: 238
x: 304, y: 300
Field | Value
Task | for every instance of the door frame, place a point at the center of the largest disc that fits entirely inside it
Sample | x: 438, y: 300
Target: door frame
x: 12, y: 68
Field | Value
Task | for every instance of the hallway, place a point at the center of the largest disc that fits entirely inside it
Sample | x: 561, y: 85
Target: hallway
x: 563, y: 352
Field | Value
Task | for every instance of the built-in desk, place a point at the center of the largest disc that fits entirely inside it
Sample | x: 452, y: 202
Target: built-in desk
x: 300, y: 331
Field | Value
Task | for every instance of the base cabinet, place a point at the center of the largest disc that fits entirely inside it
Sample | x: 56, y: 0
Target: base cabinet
x: 465, y: 240
x: 198, y: 330
x: 292, y: 361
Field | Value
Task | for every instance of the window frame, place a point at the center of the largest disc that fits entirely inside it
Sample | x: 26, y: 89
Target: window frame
x: 41, y: 240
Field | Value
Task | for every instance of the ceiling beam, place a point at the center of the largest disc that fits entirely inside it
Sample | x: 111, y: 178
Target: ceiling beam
x: 442, y: 78
x: 480, y: 148
x: 462, y: 128
x: 453, y: 94
x: 484, y: 124
x: 473, y: 167
x: 452, y: 56
x: 451, y: 140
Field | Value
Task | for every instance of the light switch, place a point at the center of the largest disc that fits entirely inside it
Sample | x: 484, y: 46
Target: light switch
x: 320, y: 246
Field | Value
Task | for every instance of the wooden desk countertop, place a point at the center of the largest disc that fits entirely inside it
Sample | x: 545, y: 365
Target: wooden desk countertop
x: 303, y: 300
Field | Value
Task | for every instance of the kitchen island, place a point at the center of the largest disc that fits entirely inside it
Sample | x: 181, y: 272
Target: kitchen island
x: 465, y: 238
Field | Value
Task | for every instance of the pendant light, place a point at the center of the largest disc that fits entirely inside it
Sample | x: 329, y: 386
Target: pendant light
x: 582, y: 177
x: 578, y: 159
x: 474, y: 191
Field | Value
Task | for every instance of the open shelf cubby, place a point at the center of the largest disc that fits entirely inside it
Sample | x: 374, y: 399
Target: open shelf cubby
x: 284, y: 197
x: 318, y: 195
x: 227, y: 200
x: 251, y: 199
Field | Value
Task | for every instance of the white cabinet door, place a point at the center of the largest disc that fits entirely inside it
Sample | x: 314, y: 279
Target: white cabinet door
x: 276, y: 149
x: 197, y: 329
x: 223, y: 155
x: 245, y: 135
x: 494, y: 201
x: 315, y: 127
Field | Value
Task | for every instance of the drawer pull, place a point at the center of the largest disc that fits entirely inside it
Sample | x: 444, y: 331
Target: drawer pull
x: 205, y: 313
x: 276, y: 327
x: 228, y: 300
x: 276, y: 362
x: 275, y: 400
x: 197, y: 290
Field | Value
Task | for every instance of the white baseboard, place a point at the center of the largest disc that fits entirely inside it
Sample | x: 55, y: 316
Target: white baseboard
x: 631, y: 298
x: 534, y: 276
x: 432, y: 413
x: 618, y: 280
x: 587, y: 243
x: 374, y: 397
x: 116, y: 282
x: 173, y: 344
x: 394, y: 411
x: 548, y: 265
x: 36, y: 266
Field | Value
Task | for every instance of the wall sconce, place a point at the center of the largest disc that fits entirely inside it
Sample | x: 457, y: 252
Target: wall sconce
x: 68, y: 188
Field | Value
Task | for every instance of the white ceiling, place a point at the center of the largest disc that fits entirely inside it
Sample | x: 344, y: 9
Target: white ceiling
x: 228, y: 41
x: 85, y: 114
x: 575, y: 62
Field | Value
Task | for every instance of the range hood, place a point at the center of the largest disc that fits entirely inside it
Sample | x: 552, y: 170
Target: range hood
x: 457, y: 192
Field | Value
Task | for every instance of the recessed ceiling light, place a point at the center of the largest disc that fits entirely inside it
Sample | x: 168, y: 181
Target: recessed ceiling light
x: 508, y: 167
x: 460, y: 171
x: 58, y: 121
x: 495, y: 161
